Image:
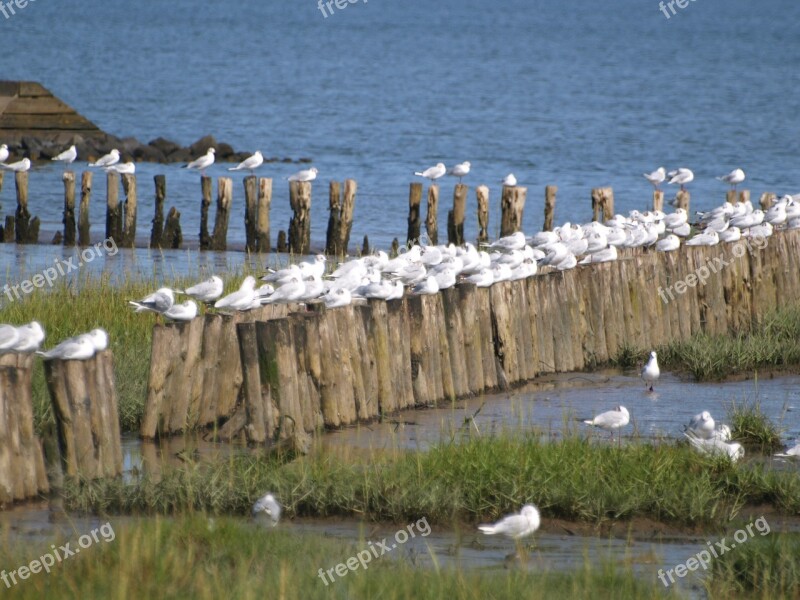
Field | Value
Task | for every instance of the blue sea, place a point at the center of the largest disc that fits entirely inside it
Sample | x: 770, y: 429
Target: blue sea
x: 577, y: 94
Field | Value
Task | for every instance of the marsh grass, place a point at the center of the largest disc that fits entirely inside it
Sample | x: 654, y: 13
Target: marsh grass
x: 478, y: 480
x: 773, y: 343
x: 767, y: 567
x: 753, y: 429
x: 203, y: 558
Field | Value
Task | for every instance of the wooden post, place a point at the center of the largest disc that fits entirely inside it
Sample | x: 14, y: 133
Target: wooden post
x: 224, y: 201
x: 658, y: 200
x: 2, y: 176
x: 767, y: 200
x: 207, y: 186
x: 300, y: 223
x: 113, y: 216
x: 431, y: 225
x: 744, y: 196
x: 602, y: 204
x: 731, y: 196
x: 282, y: 245
x: 129, y: 227
x: 262, y: 223
x: 173, y: 236
x: 22, y: 470
x: 251, y: 384
x: 455, y: 218
x: 157, y: 232
x: 334, y: 219
x: 549, y: 206
x: 482, y: 193
x: 682, y: 199
x: 414, y: 201
x: 8, y: 230
x: 346, y: 219
x: 69, y: 207
x: 250, y: 212
x: 84, y: 400
x: 22, y: 217
x: 512, y: 205
x: 83, y: 216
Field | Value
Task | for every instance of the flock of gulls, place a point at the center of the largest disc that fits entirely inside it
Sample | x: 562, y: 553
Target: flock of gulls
x: 28, y: 338
x: 110, y: 163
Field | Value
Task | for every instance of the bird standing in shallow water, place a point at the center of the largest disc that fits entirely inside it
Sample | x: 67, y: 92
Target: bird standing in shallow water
x: 651, y: 372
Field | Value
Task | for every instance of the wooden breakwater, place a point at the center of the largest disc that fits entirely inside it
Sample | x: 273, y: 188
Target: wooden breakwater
x: 337, y: 367
x: 22, y: 470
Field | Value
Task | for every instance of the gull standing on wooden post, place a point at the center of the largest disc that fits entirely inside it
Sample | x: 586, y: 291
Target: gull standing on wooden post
x: 432, y: 173
x: 109, y: 159
x: 249, y: 164
x: 202, y: 163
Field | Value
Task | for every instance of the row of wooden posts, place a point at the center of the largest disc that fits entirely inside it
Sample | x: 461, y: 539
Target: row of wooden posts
x: 166, y: 231
x: 299, y: 370
x: 83, y: 394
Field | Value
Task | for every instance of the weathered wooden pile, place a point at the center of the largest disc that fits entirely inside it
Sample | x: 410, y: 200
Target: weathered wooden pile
x: 337, y: 367
x: 84, y: 399
x: 22, y: 470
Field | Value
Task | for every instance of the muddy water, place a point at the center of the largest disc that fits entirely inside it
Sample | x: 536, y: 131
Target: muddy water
x: 550, y: 406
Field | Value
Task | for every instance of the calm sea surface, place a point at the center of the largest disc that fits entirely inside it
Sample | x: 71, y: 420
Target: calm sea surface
x: 577, y: 94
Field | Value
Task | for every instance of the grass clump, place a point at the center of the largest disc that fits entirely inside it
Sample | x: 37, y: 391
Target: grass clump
x: 573, y: 479
x: 753, y: 429
x: 206, y: 559
x: 773, y: 343
x: 764, y: 567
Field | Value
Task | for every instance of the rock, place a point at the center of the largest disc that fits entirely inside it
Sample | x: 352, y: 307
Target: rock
x: 304, y: 160
x: 183, y: 155
x: 224, y: 151
x: 165, y: 146
x: 202, y: 145
x: 149, y: 153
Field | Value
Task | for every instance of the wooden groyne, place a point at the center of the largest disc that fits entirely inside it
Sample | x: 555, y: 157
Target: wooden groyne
x: 337, y: 367
x: 22, y: 470
x: 195, y: 374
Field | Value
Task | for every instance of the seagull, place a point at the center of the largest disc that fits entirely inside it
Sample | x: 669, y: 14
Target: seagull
x: 127, y: 168
x: 249, y: 164
x: 668, y: 243
x: 793, y: 452
x: 202, y: 163
x: 701, y: 426
x: 611, y: 420
x: 733, y: 178
x: 714, y: 447
x: 9, y: 336
x: 510, y: 180
x: 337, y: 297
x: 657, y: 177
x: 515, y: 526
x: 205, y: 291
x: 68, y: 156
x: 707, y: 238
x: 99, y: 339
x: 305, y: 175
x: 460, y: 170
x: 78, y: 348
x: 651, y: 372
x: 291, y: 291
x: 432, y: 173
x: 159, y: 301
x: 109, y: 159
x: 30, y: 337
x: 185, y: 311
x: 427, y: 286
x: 269, y: 506
x: 241, y: 299
x: 20, y: 166
x: 682, y: 176
x: 3, y: 153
